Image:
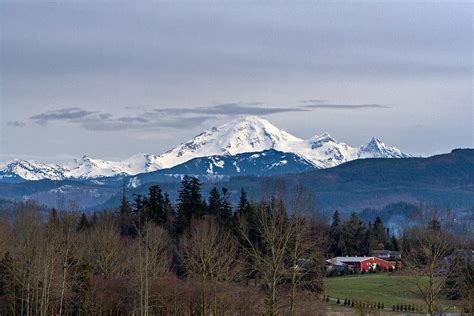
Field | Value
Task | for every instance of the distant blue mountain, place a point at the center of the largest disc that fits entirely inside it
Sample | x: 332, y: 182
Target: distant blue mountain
x: 223, y: 167
x: 445, y: 180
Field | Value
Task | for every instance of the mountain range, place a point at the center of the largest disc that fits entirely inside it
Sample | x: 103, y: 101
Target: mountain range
x: 445, y: 180
x: 250, y: 135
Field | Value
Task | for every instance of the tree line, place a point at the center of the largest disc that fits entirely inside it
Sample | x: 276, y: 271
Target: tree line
x: 150, y: 256
x: 353, y: 238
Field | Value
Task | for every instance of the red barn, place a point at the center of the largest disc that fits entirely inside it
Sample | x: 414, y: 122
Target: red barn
x: 363, y: 263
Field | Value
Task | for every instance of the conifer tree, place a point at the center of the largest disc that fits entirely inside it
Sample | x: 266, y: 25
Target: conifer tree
x: 154, y: 206
x: 244, y: 204
x: 125, y: 211
x: 53, y: 216
x: 83, y: 223
x: 354, y: 233
x: 380, y: 234
x: 94, y: 219
x: 169, y: 211
x: 335, y: 235
x: 244, y: 210
x: 371, y: 241
x: 214, y: 202
x: 138, y: 203
x: 190, y: 203
x: 225, y: 212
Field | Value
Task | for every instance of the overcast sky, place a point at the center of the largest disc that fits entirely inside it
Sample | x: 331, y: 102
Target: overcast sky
x: 110, y: 80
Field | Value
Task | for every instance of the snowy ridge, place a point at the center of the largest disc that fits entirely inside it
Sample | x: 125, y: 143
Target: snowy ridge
x: 252, y: 134
x: 32, y: 170
x: 87, y: 167
x: 244, y: 135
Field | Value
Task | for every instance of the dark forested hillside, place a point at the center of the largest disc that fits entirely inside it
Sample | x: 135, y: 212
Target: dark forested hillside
x: 444, y: 180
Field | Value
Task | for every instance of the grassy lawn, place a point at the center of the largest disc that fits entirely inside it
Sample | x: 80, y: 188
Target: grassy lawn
x: 387, y: 288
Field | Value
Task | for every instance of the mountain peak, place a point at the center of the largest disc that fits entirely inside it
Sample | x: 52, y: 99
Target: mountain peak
x: 375, y: 140
x: 376, y: 148
x: 323, y: 138
x: 375, y: 144
x: 251, y: 122
x: 245, y: 134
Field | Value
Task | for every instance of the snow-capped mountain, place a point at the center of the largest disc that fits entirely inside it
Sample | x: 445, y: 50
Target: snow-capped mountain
x: 87, y: 167
x: 30, y: 170
x: 244, y: 135
x: 250, y: 134
x: 377, y: 149
x: 256, y: 134
x: 83, y: 168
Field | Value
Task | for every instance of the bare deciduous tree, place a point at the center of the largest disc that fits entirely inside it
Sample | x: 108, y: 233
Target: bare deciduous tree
x: 425, y: 246
x: 306, y: 245
x: 152, y: 247
x: 210, y: 256
x: 271, y: 251
x: 107, y: 251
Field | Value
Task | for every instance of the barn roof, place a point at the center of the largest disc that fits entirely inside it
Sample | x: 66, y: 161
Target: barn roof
x: 341, y: 260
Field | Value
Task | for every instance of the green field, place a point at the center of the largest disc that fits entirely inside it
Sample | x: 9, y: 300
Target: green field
x: 386, y: 288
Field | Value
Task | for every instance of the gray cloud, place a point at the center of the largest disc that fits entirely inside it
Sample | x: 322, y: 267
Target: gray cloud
x: 313, y: 101
x: 151, y: 122
x: 346, y: 106
x: 16, y: 123
x: 65, y: 114
x: 230, y: 109
x: 126, y: 119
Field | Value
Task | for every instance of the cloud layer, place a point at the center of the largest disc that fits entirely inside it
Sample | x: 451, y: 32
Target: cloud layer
x: 176, y: 117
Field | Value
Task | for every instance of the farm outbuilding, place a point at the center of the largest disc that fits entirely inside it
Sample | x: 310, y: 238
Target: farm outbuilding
x: 361, y: 263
